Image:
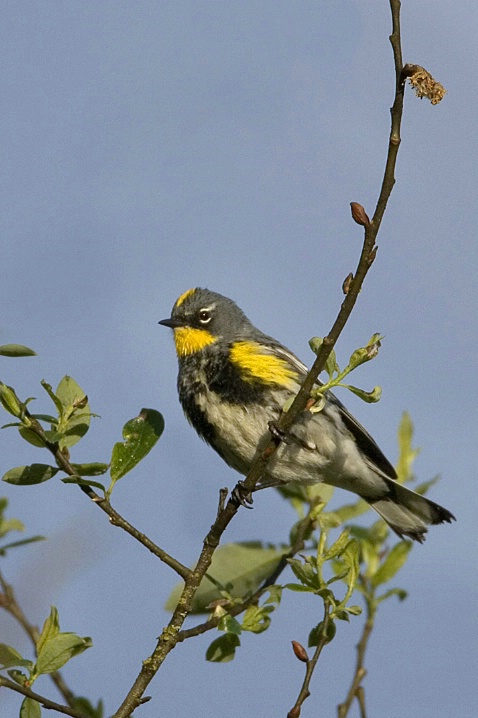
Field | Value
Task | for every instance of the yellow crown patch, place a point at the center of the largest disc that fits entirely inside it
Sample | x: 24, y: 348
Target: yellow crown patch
x: 183, y: 297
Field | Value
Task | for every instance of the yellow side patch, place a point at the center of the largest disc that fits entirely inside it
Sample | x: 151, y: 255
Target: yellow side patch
x: 189, y: 340
x: 183, y: 297
x: 255, y: 364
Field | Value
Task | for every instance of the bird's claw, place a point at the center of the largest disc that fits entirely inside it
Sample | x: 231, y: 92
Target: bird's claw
x: 242, y: 496
x: 279, y: 433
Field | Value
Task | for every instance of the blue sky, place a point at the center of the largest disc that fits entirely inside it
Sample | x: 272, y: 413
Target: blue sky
x: 150, y: 147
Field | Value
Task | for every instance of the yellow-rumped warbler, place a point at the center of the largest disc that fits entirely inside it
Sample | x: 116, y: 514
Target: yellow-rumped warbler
x: 233, y: 380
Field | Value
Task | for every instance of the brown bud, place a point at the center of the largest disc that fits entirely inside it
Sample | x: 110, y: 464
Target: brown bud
x: 294, y: 712
x: 359, y: 215
x: 300, y: 651
x: 347, y: 283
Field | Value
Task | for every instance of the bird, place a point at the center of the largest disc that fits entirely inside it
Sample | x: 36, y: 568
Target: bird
x: 234, y: 380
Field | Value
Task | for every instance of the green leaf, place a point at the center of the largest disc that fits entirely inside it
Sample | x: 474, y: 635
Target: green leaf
x: 257, y: 619
x: 354, y: 610
x: 350, y: 557
x: 293, y: 491
x: 9, y: 658
x: 84, y: 706
x: 16, y: 350
x: 223, y: 649
x: 331, y: 366
x: 75, y: 413
x: 29, y: 475
x: 30, y: 709
x: 17, y: 676
x: 406, y: 454
x: 329, y: 520
x: 338, y: 547
x: 275, y: 595
x: 30, y: 436
x: 23, y: 542
x: 351, y: 511
x: 243, y: 567
x: 315, y: 344
x: 299, y: 588
x: 364, y: 354
x: 316, y: 633
x: 51, y: 628
x: 371, y: 397
x: 392, y: 563
x: 84, y: 482
x: 10, y: 401
x: 140, y: 435
x: 425, y: 487
x: 7, y: 525
x: 229, y: 624
x: 95, y: 468
x: 59, y: 650
x: 49, y: 390
x: 399, y: 592
x: 304, y: 571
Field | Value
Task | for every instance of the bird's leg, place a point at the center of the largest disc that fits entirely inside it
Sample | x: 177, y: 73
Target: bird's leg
x: 242, y: 496
x: 279, y: 433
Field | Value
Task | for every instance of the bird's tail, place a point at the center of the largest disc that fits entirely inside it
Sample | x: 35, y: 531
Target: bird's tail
x: 407, y: 513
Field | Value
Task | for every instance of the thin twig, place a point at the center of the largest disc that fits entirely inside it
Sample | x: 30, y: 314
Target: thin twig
x: 9, y: 603
x: 169, y: 636
x: 356, y: 689
x: 303, y: 527
x: 115, y: 518
x: 46, y: 702
x: 304, y: 692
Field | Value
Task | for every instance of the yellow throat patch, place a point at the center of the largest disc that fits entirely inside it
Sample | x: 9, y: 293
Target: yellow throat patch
x: 255, y: 364
x: 189, y: 340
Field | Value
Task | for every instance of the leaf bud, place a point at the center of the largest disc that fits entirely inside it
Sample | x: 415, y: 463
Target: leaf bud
x: 300, y: 651
x: 347, y: 283
x: 359, y: 215
x: 10, y: 401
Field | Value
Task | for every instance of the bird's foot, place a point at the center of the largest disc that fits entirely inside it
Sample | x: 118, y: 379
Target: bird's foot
x: 279, y: 433
x: 242, y: 496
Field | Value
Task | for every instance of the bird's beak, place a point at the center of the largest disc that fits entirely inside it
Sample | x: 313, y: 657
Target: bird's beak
x: 172, y: 323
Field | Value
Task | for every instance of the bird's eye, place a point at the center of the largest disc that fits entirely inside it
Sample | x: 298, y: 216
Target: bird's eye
x: 205, y: 316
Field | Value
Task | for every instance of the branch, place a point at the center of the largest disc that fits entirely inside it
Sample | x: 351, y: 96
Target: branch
x: 115, y: 518
x: 311, y: 664
x: 8, y: 601
x: 303, y: 527
x: 356, y: 689
x: 367, y: 257
x: 46, y: 702
x: 170, y: 635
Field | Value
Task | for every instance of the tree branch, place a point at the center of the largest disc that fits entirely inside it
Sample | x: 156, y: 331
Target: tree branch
x: 356, y: 689
x: 115, y: 518
x: 170, y: 635
x: 9, y: 603
x: 304, y: 692
x: 46, y: 702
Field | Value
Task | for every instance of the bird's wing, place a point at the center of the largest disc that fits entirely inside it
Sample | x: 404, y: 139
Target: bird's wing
x: 366, y: 443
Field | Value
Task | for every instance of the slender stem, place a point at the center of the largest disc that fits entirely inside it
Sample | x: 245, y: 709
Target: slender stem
x: 303, y: 528
x: 304, y: 692
x: 46, y: 702
x: 115, y: 518
x: 356, y: 689
x: 9, y: 603
x: 170, y: 635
